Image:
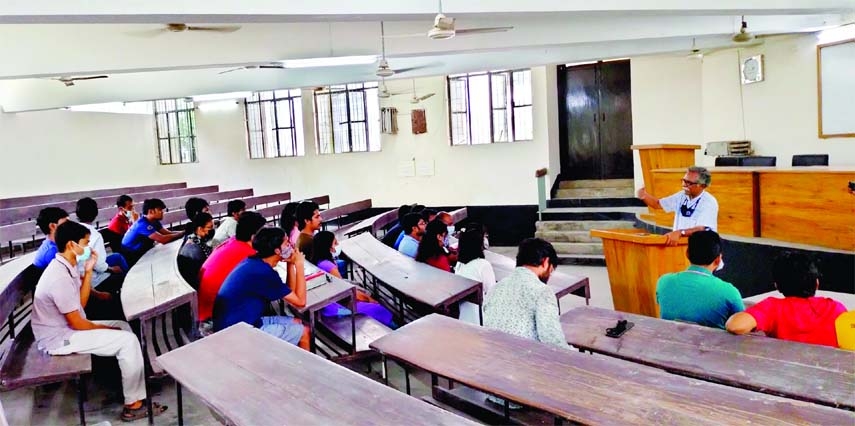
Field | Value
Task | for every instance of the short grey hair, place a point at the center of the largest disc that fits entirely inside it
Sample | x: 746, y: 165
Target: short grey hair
x: 704, y: 176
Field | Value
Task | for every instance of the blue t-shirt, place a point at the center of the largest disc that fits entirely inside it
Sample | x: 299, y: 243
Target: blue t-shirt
x: 248, y: 289
x: 399, y: 239
x: 697, y: 296
x: 137, y: 238
x: 47, y: 251
x: 409, y: 246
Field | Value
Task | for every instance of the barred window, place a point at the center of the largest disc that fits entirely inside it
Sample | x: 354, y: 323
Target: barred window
x: 490, y: 106
x: 175, y: 124
x: 274, y: 124
x: 347, y: 118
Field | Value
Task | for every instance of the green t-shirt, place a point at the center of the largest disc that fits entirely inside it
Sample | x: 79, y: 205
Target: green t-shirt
x: 696, y: 295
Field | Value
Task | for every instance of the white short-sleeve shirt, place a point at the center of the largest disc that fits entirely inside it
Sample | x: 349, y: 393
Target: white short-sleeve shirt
x: 699, y: 211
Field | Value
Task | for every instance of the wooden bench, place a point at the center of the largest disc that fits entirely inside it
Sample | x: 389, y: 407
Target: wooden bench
x: 253, y: 203
x: 32, y: 200
x: 340, y: 213
x: 321, y: 200
x: 23, y: 364
x: 20, y: 214
x: 813, y: 373
x: 373, y: 225
x: 459, y: 215
x: 579, y: 387
x: 283, y: 384
x: 561, y: 283
x: 406, y: 287
x: 157, y: 296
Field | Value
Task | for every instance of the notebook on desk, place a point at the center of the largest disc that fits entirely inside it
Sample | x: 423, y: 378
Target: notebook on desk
x: 314, y: 275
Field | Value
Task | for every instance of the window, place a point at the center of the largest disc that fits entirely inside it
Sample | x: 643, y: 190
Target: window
x: 274, y: 124
x: 347, y: 118
x: 488, y: 107
x: 176, y: 131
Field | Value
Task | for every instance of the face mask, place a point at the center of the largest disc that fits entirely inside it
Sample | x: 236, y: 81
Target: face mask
x: 720, y: 265
x: 486, y: 243
x: 129, y: 214
x: 286, y: 253
x: 337, y: 251
x: 87, y: 252
x: 209, y: 236
x: 450, y: 229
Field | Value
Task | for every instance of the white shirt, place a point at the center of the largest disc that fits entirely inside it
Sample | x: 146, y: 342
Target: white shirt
x: 226, y: 230
x: 700, y: 211
x: 96, y: 243
x: 479, y: 270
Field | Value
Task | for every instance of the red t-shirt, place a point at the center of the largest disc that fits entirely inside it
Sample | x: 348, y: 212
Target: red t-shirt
x: 440, y: 262
x: 800, y: 319
x: 119, y: 224
x: 214, y: 271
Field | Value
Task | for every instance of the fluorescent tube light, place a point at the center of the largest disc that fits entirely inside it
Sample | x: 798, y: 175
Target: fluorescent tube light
x: 334, y: 61
x: 831, y: 35
x: 222, y: 96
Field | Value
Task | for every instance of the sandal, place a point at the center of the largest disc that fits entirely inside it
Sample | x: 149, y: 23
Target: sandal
x: 132, y: 414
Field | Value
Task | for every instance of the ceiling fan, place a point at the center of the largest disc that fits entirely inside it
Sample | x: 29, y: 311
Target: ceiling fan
x: 443, y: 28
x: 383, y: 68
x: 180, y: 28
x: 272, y: 65
x: 69, y: 81
x: 743, y: 35
x: 416, y: 98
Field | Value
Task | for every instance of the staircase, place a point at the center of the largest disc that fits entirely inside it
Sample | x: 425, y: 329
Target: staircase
x: 582, y: 205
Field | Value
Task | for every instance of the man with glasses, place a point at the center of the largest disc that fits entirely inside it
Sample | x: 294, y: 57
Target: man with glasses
x: 696, y: 209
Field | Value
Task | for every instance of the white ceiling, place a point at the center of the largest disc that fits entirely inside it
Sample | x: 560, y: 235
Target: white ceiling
x: 88, y: 37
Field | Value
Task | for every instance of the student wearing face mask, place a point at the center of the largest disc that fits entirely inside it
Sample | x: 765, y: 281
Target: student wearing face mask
x: 325, y: 252
x: 196, y: 250
x: 125, y: 215
x: 472, y: 264
x: 254, y: 283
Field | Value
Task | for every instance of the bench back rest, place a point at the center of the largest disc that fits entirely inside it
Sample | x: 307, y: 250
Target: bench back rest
x: 221, y: 209
x: 459, y: 215
x: 19, y: 280
x: 323, y: 200
x: 18, y: 231
x: 337, y: 212
x: 32, y: 200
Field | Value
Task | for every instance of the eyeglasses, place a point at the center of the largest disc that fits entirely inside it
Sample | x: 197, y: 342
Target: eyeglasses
x: 688, y: 182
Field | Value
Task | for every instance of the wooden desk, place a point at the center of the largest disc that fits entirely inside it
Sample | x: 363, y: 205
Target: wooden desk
x: 812, y: 373
x: 256, y: 379
x: 584, y: 388
x: 332, y: 290
x: 409, y: 280
x: 561, y: 284
x: 154, y: 285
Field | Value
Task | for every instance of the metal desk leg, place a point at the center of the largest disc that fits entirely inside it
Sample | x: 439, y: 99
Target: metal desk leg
x: 180, y: 404
x: 353, y: 322
x: 406, y: 378
x: 312, y: 344
x: 144, y: 346
x: 385, y: 371
x: 507, y: 410
x: 81, y: 395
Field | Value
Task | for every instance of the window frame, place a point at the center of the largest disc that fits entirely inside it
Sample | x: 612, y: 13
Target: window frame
x: 347, y: 90
x: 190, y: 111
x: 295, y: 101
x: 514, y: 106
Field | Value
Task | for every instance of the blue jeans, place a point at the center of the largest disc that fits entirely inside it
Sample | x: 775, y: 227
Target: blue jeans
x: 283, y: 327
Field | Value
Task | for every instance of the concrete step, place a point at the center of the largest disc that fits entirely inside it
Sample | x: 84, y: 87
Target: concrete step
x: 583, y: 225
x: 578, y: 248
x: 607, y: 192
x: 606, y: 183
x: 582, y: 259
x: 594, y: 202
x: 566, y: 236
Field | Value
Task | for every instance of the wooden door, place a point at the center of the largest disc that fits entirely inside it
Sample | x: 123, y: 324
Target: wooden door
x: 595, y: 115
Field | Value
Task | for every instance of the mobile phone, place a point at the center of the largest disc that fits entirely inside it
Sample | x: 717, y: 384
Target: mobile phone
x: 621, y: 327
x: 851, y: 185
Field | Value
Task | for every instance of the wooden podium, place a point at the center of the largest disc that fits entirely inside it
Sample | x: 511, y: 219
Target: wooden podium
x: 663, y: 156
x: 635, y: 261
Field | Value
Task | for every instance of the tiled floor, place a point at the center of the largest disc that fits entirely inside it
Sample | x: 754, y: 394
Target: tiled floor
x: 57, y: 405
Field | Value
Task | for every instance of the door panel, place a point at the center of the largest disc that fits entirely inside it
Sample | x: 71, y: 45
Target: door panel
x: 582, y: 159
x: 615, y: 120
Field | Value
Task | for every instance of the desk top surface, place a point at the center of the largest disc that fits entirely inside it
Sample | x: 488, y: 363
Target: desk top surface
x: 256, y: 379
x: 153, y: 285
x: 333, y: 289
x: 730, y: 169
x: 419, y: 281
x: 561, y: 283
x: 589, y: 389
x: 809, y: 372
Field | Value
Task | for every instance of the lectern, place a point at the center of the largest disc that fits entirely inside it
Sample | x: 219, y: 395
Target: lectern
x: 635, y: 260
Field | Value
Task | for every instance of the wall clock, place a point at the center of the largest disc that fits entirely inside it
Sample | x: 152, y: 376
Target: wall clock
x: 751, y: 69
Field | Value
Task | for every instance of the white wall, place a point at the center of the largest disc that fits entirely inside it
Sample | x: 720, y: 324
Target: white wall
x: 676, y: 100
x: 45, y: 150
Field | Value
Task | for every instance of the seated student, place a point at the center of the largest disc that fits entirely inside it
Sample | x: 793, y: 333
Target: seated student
x: 224, y: 259
x: 416, y: 208
x: 109, y: 272
x: 196, y: 205
x: 288, y: 222
x: 799, y: 316
x: 146, y: 231
x: 309, y: 222
x: 60, y: 325
x: 253, y: 284
x: 196, y: 250
x: 392, y: 234
x: 446, y: 218
x: 49, y: 218
x: 325, y: 249
x: 696, y: 295
x: 429, y: 215
x: 125, y: 215
x: 228, y: 225
x: 414, y: 228
x: 432, y: 246
x: 472, y: 264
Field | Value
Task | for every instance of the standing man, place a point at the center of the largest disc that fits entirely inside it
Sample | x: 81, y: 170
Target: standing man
x: 696, y: 210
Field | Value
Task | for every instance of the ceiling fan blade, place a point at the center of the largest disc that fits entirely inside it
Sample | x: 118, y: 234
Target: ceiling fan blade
x: 486, y: 30
x: 423, y: 97
x: 218, y: 29
x: 403, y: 70
x: 422, y: 34
x: 232, y: 70
x: 270, y: 67
x: 147, y: 33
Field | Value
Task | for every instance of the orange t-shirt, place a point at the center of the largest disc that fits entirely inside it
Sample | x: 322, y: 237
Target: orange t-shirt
x: 216, y: 268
